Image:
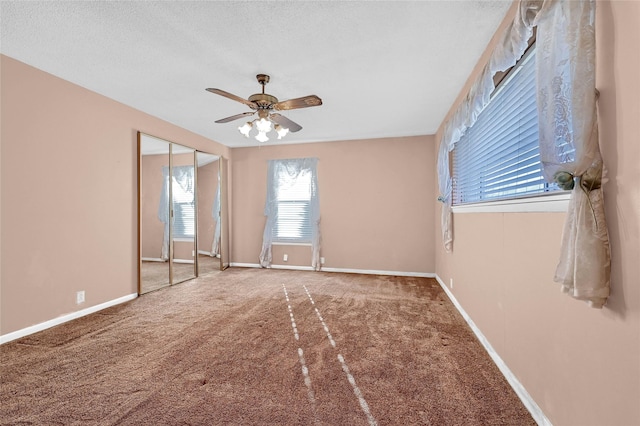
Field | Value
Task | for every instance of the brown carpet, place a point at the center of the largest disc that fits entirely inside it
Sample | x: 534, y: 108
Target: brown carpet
x: 222, y: 350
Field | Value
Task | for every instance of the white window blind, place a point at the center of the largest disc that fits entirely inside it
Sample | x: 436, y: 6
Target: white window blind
x: 184, y: 205
x: 293, y: 223
x: 498, y: 157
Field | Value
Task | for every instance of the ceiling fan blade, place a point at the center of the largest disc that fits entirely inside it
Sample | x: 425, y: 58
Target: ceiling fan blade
x: 234, y: 117
x: 304, y: 102
x: 232, y: 96
x: 285, y: 122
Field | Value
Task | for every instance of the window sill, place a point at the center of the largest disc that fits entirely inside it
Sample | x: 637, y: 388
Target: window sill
x: 279, y: 243
x: 545, y: 203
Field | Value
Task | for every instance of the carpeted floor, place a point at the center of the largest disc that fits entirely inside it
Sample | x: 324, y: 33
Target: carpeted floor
x: 262, y: 347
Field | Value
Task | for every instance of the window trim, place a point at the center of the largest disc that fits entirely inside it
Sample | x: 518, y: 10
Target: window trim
x: 557, y: 201
x: 300, y: 240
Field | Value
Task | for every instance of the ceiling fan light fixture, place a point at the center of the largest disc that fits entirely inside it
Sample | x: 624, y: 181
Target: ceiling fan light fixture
x: 262, y: 136
x: 246, y: 128
x: 265, y: 106
x: 282, y: 131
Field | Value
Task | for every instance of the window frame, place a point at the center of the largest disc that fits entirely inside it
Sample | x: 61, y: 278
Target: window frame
x: 545, y: 200
x: 305, y: 240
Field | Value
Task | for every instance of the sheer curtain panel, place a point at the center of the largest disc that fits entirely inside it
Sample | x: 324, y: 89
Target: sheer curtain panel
x: 569, y: 145
x: 215, y: 212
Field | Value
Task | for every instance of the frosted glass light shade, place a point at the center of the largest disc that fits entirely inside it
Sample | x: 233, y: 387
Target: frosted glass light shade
x: 245, y: 128
x: 262, y: 137
x: 263, y: 125
x: 282, y: 131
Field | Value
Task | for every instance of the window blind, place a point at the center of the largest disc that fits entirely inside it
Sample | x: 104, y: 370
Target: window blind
x: 498, y: 157
x: 184, y: 206
x: 293, y: 222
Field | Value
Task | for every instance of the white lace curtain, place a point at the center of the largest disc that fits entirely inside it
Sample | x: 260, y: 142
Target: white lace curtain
x: 569, y: 150
x: 290, y: 169
x: 215, y: 213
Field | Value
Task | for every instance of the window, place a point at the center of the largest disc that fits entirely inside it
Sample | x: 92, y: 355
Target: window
x: 498, y: 157
x: 293, y: 196
x: 183, y: 202
x: 292, y: 208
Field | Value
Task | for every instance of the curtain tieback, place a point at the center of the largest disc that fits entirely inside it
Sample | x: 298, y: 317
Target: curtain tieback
x: 566, y: 181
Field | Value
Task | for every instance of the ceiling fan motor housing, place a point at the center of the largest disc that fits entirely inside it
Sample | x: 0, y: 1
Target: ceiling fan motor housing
x: 263, y: 100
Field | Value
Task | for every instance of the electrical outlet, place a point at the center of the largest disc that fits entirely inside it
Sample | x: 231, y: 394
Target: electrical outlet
x: 285, y: 257
x: 322, y: 260
x: 451, y: 283
x: 80, y: 297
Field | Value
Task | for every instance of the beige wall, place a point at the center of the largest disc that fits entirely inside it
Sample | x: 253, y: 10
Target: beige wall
x: 71, y: 224
x: 581, y: 365
x: 376, y: 202
x: 152, y: 232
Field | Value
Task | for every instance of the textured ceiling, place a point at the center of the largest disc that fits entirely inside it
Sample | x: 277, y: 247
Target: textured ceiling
x: 382, y: 69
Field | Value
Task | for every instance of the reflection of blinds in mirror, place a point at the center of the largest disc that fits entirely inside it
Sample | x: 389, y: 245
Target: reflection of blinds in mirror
x: 183, y: 202
x: 293, y: 222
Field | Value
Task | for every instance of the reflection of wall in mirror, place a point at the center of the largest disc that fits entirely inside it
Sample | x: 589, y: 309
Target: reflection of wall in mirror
x: 152, y: 227
x: 207, y: 185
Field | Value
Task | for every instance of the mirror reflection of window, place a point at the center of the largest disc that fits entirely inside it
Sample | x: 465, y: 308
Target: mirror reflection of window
x: 184, y: 202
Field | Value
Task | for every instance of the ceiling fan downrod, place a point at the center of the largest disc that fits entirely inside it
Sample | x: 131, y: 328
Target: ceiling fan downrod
x: 263, y: 100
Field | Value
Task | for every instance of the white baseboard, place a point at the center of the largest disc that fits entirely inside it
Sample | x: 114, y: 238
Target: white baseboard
x: 183, y: 261
x: 292, y: 267
x: 257, y: 265
x: 527, y: 400
x: 244, y: 265
x: 152, y: 259
x: 380, y: 272
x: 64, y: 318
x: 342, y: 270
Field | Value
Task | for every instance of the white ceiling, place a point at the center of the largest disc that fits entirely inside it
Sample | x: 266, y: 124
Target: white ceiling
x: 382, y: 68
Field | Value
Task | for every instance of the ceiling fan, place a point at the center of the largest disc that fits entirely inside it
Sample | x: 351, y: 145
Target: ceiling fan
x: 264, y: 105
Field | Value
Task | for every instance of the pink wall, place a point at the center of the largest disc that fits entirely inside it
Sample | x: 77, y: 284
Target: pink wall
x: 580, y: 365
x: 377, y: 203
x: 70, y: 223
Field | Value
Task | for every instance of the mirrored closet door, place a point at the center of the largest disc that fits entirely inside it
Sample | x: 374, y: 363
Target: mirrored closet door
x: 180, y: 183
x: 181, y: 213
x: 153, y: 211
x: 209, y: 207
